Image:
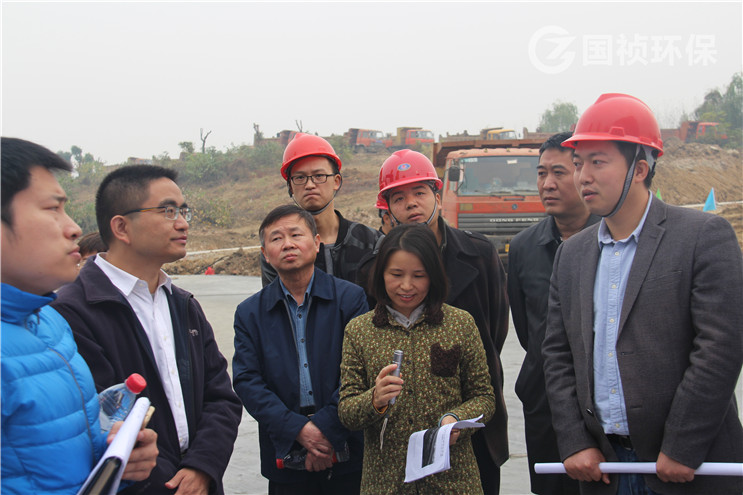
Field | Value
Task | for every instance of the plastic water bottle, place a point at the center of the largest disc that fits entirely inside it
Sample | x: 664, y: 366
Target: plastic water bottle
x: 117, y: 400
x: 295, y: 459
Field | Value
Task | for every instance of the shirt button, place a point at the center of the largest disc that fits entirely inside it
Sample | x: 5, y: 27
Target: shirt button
x: 613, y: 391
x: 616, y: 425
x: 611, y: 320
x: 613, y: 286
x: 310, y: 392
x: 616, y: 253
x: 299, y: 315
x: 301, y: 340
x: 305, y: 365
x: 611, y: 354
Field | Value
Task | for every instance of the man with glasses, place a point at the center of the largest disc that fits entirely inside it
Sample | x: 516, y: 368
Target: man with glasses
x: 311, y: 169
x: 128, y: 317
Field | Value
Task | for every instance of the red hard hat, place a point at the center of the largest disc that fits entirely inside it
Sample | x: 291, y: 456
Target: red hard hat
x: 381, y: 204
x: 618, y: 117
x: 405, y: 167
x: 304, y: 145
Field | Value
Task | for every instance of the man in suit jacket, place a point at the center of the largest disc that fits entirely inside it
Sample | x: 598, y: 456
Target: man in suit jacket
x: 643, y: 346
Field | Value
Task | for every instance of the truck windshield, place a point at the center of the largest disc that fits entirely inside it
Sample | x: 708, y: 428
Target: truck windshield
x: 377, y: 135
x: 498, y: 175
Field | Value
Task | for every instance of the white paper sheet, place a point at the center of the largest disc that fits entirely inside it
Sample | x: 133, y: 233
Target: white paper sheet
x: 706, y: 468
x: 435, y: 447
x: 123, y: 443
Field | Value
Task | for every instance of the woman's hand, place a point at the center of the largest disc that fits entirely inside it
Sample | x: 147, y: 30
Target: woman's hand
x: 454, y: 436
x: 386, y: 386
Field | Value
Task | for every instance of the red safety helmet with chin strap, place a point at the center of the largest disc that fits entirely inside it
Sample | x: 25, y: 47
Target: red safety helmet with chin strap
x: 406, y: 167
x: 618, y: 117
x: 304, y: 145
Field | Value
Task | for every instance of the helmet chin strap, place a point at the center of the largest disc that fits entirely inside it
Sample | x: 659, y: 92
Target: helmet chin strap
x: 317, y: 212
x: 627, y: 184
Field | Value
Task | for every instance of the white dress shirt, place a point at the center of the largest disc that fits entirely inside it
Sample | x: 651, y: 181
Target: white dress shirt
x: 153, y: 313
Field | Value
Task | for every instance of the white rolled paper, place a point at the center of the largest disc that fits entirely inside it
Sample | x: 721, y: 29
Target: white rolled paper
x: 707, y: 468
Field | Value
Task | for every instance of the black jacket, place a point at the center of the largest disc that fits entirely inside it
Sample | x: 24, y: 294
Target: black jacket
x: 114, y: 344
x: 477, y: 284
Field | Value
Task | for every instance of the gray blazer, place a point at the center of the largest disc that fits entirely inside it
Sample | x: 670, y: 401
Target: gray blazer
x: 679, y: 346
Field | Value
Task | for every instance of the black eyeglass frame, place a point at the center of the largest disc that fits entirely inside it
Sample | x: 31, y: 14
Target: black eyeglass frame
x: 186, y: 211
x: 315, y: 178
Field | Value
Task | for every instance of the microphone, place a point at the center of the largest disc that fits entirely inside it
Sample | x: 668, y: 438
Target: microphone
x: 396, y: 359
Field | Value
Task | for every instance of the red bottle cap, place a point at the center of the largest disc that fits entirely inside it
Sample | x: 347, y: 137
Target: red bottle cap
x: 136, y: 383
x: 280, y: 463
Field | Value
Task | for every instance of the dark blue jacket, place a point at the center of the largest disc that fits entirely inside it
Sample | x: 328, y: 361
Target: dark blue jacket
x: 266, y: 376
x: 113, y: 342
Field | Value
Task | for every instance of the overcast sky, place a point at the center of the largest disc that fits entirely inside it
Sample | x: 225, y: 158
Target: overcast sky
x: 135, y: 79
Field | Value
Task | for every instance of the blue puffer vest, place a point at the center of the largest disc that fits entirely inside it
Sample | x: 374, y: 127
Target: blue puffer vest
x: 51, y: 436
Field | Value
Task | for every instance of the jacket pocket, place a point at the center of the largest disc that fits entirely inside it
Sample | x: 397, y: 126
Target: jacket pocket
x: 445, y: 362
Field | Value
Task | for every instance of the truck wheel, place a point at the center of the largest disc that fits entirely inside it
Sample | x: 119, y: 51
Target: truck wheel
x: 360, y: 148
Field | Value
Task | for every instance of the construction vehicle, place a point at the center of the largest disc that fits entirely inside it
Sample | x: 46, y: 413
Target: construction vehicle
x: 407, y: 137
x: 366, y: 140
x: 492, y: 191
x: 693, y: 131
x: 487, y: 134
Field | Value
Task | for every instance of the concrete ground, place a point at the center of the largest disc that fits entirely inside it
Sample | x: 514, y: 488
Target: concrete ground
x: 219, y: 295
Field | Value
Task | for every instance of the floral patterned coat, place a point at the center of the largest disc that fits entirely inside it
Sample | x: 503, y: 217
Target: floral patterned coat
x: 444, y: 371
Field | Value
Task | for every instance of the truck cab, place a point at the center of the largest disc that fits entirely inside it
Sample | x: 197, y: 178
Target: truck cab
x: 492, y: 191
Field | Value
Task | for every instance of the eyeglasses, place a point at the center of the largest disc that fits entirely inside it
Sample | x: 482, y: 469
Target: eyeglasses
x: 300, y: 180
x: 171, y: 212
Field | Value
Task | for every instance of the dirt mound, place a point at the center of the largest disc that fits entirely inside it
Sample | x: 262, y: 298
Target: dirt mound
x: 240, y: 262
x: 687, y: 172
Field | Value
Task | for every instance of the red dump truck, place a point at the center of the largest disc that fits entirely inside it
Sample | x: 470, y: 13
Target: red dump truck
x: 366, y: 140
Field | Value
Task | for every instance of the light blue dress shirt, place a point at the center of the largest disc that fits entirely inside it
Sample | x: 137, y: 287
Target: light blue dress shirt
x: 612, y: 273
x: 298, y: 315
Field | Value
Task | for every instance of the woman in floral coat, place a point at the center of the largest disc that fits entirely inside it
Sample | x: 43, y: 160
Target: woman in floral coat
x: 444, y: 375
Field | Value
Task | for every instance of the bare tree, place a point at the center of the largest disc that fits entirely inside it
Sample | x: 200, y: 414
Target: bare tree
x: 299, y: 125
x: 258, y: 136
x: 203, y: 139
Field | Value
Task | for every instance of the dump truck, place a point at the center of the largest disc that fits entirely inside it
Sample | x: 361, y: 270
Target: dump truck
x: 487, y: 134
x: 492, y: 191
x: 490, y: 187
x: 693, y: 131
x: 366, y: 140
x: 408, y: 137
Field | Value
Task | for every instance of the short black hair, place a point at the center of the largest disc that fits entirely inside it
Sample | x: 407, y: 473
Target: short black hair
x: 18, y: 158
x: 629, y: 150
x: 417, y: 239
x: 554, y: 142
x: 123, y: 190
x: 284, y: 211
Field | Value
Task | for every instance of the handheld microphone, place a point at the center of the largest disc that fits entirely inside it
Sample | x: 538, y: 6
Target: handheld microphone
x: 396, y: 359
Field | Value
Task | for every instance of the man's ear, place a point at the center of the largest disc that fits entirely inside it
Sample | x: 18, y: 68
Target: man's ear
x: 642, y: 169
x: 121, y: 229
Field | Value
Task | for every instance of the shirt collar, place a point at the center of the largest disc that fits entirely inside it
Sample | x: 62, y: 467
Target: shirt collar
x: 288, y: 294
x: 125, y: 281
x: 404, y: 320
x: 604, y: 236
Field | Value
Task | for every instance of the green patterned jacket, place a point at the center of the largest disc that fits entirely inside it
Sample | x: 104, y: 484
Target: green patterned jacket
x: 444, y: 371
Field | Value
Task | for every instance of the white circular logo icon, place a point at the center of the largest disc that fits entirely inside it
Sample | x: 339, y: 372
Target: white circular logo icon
x: 549, y: 49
